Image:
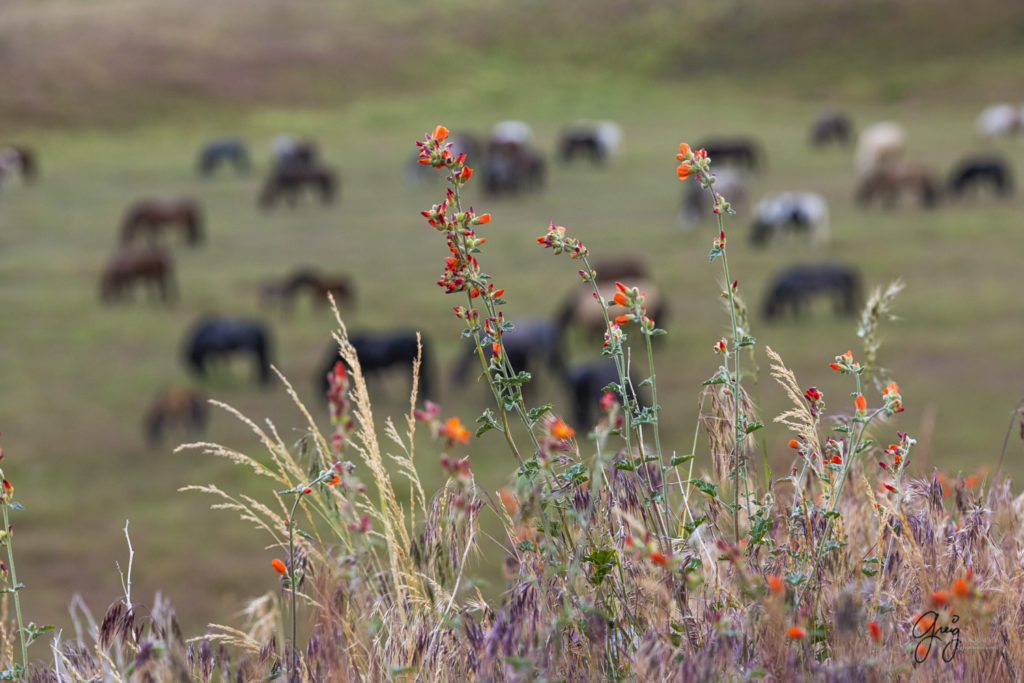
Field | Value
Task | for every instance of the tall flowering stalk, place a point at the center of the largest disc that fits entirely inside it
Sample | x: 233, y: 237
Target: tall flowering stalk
x: 697, y: 164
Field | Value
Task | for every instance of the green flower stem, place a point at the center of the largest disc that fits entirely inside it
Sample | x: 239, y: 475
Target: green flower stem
x: 15, y: 588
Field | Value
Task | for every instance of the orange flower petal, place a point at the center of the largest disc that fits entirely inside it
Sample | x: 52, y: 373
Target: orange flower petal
x: 278, y: 566
x: 795, y: 632
x: 440, y: 133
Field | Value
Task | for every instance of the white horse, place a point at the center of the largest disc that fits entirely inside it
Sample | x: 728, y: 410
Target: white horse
x: 793, y: 211
x: 512, y: 133
x: 881, y: 144
x: 999, y: 119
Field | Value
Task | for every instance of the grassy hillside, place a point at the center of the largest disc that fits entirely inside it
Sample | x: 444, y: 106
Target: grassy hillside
x: 117, y: 98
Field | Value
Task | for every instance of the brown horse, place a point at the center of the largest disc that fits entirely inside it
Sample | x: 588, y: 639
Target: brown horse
x: 184, y: 407
x: 888, y: 182
x: 149, y: 217
x: 581, y: 310
x: 150, y: 266
x: 288, y: 179
x: 340, y: 286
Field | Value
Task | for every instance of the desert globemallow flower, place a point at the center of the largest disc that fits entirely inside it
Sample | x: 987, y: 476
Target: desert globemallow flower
x: 278, y: 566
x: 795, y: 632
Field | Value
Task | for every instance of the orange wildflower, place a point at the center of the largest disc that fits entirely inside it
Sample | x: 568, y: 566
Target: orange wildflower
x: 861, y: 402
x: 836, y: 460
x: 466, y: 173
x: 795, y: 632
x: 495, y: 349
x: 333, y: 480
x: 278, y: 566
x: 892, y: 388
x: 921, y: 651
x: 658, y: 558
x: 971, y: 480
x: 683, y: 171
x: 793, y: 443
x: 440, y: 133
x: 454, y: 430
x: 620, y: 298
x: 684, y: 150
x: 923, y: 623
x: 960, y: 588
x: 875, y: 630
x: 623, y: 319
x: 560, y: 430
x: 484, y: 218
x: 774, y: 583
x: 836, y: 366
x: 508, y: 500
x: 940, y: 597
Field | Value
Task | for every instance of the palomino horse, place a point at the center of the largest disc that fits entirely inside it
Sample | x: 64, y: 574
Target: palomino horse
x: 150, y: 266
x: 288, y: 179
x: 216, y: 337
x: 151, y: 216
x: 889, y: 182
x: 379, y: 352
x: 795, y: 287
x: 182, y: 407
x: 340, y: 286
x: 791, y: 211
x: 972, y: 172
x: 221, y: 151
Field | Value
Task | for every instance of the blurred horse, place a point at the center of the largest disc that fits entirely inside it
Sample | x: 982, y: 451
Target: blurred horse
x: 739, y: 151
x: 151, y: 267
x: 216, y: 337
x: 319, y: 286
x: 175, y: 407
x: 529, y: 346
x: 805, y: 212
x: 794, y: 287
x: 878, y: 146
x: 149, y: 217
x: 625, y: 267
x: 730, y: 183
x: 221, y: 151
x: 889, y: 182
x: 585, y: 383
x: 972, y: 172
x: 19, y: 161
x: 287, y: 180
x: 288, y: 150
x: 595, y: 140
x: 511, y: 132
x: 379, y: 352
x: 582, y: 311
x: 511, y: 168
x: 999, y: 119
x: 831, y: 127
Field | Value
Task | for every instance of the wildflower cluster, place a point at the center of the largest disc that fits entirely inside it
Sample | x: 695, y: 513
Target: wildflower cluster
x: 338, y: 404
x: 557, y: 239
x: 451, y: 432
x: 634, y: 300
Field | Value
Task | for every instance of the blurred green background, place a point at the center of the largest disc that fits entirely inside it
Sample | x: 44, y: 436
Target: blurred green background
x: 116, y: 98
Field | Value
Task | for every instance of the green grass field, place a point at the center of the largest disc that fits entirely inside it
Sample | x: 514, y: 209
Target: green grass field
x: 78, y: 375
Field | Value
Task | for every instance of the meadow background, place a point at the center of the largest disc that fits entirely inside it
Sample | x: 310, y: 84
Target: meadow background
x: 117, y: 97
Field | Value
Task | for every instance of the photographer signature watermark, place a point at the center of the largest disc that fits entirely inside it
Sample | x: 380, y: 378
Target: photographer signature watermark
x: 929, y: 635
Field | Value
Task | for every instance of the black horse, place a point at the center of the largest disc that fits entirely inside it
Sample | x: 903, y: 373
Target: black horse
x: 795, y: 286
x: 512, y: 168
x: 585, y: 381
x: 382, y: 351
x: 831, y: 127
x: 973, y: 172
x: 215, y: 337
x: 529, y: 346
x: 221, y: 151
x: 742, y: 152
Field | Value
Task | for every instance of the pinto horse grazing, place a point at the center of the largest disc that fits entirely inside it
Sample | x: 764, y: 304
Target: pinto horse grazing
x: 744, y: 152
x: 382, y: 351
x: 972, y: 172
x: 149, y: 266
x: 149, y: 217
x: 288, y: 179
x: 216, y: 337
x: 183, y: 407
x: 793, y: 211
x: 794, y: 287
x: 221, y: 151
x: 831, y: 127
x: 531, y: 344
x: 596, y: 140
x: 339, y: 286
x: 889, y: 182
x: 15, y: 159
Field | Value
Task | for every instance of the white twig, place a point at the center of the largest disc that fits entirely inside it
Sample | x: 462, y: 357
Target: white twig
x: 126, y: 581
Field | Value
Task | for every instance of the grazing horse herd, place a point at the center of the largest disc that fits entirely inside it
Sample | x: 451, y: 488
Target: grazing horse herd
x: 510, y: 164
